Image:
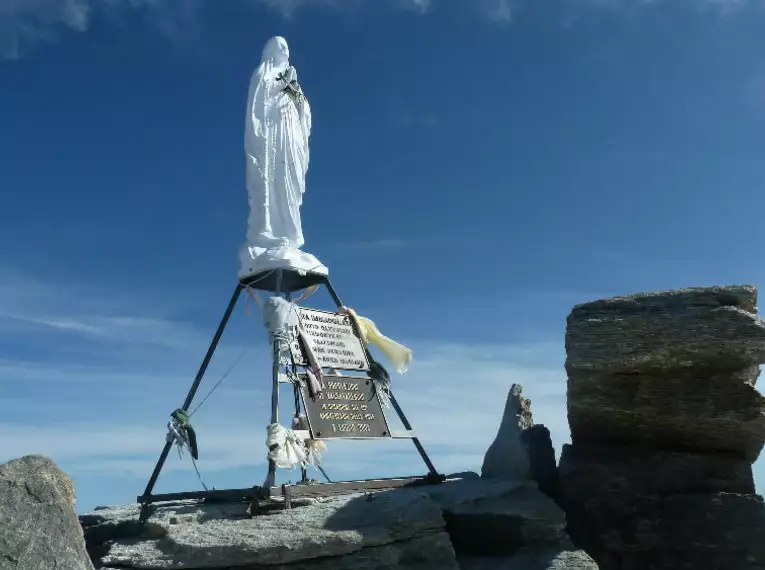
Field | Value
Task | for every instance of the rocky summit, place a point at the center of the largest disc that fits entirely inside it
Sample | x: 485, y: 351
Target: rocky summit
x: 665, y: 425
x: 469, y: 522
x: 429, y: 527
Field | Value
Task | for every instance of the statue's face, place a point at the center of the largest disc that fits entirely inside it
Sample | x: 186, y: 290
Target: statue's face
x: 283, y: 47
x: 276, y: 49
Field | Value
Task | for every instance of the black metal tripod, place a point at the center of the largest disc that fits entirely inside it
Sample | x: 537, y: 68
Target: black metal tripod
x: 278, y: 281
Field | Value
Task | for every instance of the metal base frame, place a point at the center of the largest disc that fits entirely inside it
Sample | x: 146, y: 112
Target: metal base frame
x: 297, y: 490
x: 279, y: 281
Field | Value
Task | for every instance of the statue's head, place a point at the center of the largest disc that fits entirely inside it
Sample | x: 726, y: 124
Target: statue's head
x: 277, y: 51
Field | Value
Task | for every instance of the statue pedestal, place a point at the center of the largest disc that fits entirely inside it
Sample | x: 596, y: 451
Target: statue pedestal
x: 257, y: 260
x: 282, y: 280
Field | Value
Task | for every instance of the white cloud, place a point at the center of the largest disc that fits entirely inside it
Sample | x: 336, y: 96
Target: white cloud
x: 381, y: 244
x: 501, y: 12
x: 723, y: 6
x: 420, y: 5
x: 99, y: 408
x: 26, y: 22
x: 453, y: 396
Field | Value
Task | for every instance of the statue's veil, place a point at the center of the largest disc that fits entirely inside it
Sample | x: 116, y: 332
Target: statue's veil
x: 272, y: 62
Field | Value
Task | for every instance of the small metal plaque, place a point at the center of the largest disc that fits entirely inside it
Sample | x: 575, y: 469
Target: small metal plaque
x: 334, y: 341
x: 348, y: 408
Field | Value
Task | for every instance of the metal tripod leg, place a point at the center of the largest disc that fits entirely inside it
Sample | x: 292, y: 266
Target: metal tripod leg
x: 271, y: 477
x: 432, y: 472
x: 407, y: 426
x: 192, y: 392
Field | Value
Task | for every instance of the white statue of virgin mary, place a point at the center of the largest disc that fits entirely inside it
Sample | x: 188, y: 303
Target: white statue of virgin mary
x: 278, y: 126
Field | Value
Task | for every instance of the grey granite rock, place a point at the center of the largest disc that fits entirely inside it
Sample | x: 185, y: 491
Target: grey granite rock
x: 565, y: 557
x: 586, y: 470
x: 740, y: 296
x: 696, y: 413
x: 665, y: 424
x: 692, y: 330
x: 507, y: 458
x: 544, y: 470
x: 380, y: 530
x: 401, y: 529
x: 195, y: 536
x: 601, y: 487
x: 521, y: 519
x: 38, y: 524
x: 521, y: 450
x: 678, y: 532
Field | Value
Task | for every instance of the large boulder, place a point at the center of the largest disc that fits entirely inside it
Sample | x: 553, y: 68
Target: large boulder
x: 694, y: 532
x: 665, y: 424
x: 642, y: 471
x: 715, y: 413
x: 674, y: 370
x: 603, y: 484
x: 496, y: 519
x: 38, y: 523
x: 697, y: 330
x: 566, y: 557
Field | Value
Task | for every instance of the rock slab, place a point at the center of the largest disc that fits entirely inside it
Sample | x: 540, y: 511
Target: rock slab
x: 421, y: 528
x: 566, y: 557
x: 39, y: 529
x: 665, y: 424
x: 699, y: 329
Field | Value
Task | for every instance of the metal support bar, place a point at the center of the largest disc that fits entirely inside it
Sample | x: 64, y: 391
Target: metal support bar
x: 421, y: 450
x: 303, y: 470
x: 431, y: 468
x: 296, y: 392
x: 402, y: 434
x: 271, y: 477
x: 333, y: 293
x: 295, y: 491
x: 195, y: 385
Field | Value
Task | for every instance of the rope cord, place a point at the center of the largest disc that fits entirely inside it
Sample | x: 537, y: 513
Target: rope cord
x: 222, y: 378
x: 194, y: 463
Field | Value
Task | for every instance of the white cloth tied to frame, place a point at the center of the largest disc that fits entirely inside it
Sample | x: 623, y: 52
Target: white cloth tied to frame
x: 281, y: 319
x: 288, y: 451
x: 280, y: 316
x: 315, y: 448
x: 285, y: 448
x: 177, y: 436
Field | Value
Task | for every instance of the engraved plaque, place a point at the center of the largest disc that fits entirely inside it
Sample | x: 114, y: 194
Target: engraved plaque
x: 334, y: 341
x: 348, y: 408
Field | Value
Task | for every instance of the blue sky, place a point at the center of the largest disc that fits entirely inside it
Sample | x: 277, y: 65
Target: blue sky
x: 477, y: 169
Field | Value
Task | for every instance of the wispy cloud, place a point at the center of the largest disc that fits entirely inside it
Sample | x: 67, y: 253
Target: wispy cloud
x: 101, y: 415
x: 381, y: 244
x: 501, y: 11
x: 722, y: 6
x: 453, y: 396
x: 24, y: 23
